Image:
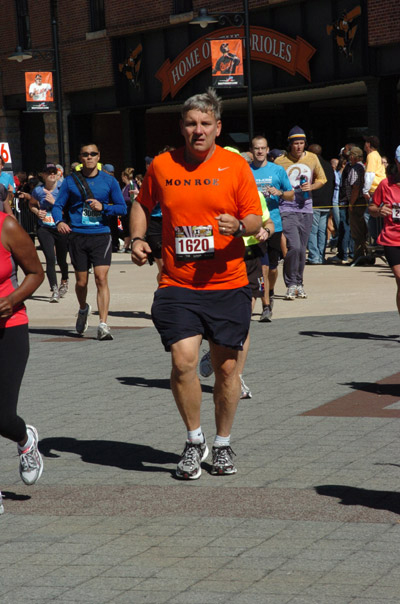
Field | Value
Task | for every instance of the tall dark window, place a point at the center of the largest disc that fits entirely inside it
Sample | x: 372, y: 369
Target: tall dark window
x: 23, y: 26
x: 182, y: 6
x: 97, y: 16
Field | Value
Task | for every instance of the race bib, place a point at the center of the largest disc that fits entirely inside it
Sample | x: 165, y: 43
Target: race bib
x: 90, y: 217
x: 48, y: 219
x: 194, y: 243
x: 396, y: 212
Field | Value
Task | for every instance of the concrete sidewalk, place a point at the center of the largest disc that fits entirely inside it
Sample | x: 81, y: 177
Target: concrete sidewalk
x: 312, y: 517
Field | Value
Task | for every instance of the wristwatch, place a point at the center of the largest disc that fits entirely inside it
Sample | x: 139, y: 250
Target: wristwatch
x: 268, y: 231
x: 137, y: 239
x: 240, y: 231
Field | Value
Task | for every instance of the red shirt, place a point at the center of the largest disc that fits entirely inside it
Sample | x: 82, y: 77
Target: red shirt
x: 191, y: 196
x: 8, y: 283
x: 388, y: 192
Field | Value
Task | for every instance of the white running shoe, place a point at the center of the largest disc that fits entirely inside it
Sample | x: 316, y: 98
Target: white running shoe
x: 55, y: 296
x: 300, y: 293
x: 189, y: 466
x: 222, y: 461
x: 245, y: 390
x: 63, y: 289
x: 1, y: 504
x: 30, y: 460
x: 205, y: 368
x: 291, y: 292
x: 103, y: 332
x: 82, y: 320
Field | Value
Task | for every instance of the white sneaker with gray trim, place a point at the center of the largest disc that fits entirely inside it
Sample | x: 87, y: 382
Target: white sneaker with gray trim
x: 103, y: 332
x: 244, y: 390
x: 30, y: 460
x: 189, y: 466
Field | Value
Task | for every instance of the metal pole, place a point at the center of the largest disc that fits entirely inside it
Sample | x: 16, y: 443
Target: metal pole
x: 248, y: 70
x: 60, y: 127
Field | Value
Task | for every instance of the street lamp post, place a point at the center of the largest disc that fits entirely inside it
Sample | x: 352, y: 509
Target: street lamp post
x: 204, y: 19
x: 53, y: 55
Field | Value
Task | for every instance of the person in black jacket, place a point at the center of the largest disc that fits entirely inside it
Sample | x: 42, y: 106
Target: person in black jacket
x: 322, y: 201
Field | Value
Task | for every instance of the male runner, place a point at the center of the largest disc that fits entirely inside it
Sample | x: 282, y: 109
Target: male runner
x: 274, y: 183
x: 209, y: 199
x: 89, y: 202
x: 306, y: 175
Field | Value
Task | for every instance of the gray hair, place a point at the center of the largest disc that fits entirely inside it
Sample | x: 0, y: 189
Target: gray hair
x: 207, y: 102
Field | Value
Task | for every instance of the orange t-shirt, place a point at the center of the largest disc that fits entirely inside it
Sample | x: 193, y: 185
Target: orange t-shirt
x: 195, y: 255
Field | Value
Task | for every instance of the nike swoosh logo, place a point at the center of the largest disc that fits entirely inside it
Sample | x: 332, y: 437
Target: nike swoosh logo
x: 220, y: 169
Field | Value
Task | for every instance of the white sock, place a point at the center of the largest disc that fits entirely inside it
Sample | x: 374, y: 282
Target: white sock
x: 103, y: 324
x: 196, y: 436
x: 222, y: 441
x: 28, y: 443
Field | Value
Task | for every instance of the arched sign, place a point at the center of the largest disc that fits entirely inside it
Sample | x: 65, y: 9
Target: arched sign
x: 267, y: 45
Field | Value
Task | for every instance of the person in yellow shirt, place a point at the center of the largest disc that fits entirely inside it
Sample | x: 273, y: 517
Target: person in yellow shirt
x: 374, y: 174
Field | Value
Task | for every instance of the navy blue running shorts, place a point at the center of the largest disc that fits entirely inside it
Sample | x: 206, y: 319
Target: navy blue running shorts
x: 222, y: 316
x: 89, y: 250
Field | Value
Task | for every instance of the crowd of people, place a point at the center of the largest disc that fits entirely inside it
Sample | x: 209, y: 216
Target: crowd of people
x: 217, y: 222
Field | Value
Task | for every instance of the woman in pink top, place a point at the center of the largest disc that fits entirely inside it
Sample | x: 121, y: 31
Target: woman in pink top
x: 386, y: 204
x: 16, y: 248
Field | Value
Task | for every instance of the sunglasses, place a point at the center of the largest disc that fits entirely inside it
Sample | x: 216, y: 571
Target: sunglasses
x: 91, y: 154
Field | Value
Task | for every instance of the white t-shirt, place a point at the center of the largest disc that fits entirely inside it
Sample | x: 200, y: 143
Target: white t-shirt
x: 38, y: 91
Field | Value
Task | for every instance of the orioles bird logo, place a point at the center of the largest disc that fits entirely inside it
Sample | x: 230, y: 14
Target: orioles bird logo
x: 344, y: 30
x: 131, y: 67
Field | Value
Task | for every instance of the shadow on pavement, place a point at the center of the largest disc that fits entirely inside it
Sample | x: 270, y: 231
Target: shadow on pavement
x: 377, y: 500
x: 127, y: 314
x: 142, y: 382
x: 10, y: 495
x: 54, y: 331
x: 126, y: 456
x: 353, y: 335
x: 375, y: 388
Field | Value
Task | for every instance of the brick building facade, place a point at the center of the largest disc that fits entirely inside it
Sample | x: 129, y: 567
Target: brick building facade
x: 333, y: 96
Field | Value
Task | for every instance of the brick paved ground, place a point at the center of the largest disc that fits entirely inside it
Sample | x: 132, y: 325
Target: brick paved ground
x: 312, y: 517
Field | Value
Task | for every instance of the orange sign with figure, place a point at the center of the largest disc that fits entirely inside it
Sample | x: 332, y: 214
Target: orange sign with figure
x: 39, y: 90
x: 227, y: 63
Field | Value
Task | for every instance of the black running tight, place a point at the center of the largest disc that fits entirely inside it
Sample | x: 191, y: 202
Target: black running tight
x: 14, y: 352
x: 49, y: 238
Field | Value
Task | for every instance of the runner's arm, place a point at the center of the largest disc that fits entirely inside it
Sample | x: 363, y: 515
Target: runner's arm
x: 138, y: 221
x: 17, y: 241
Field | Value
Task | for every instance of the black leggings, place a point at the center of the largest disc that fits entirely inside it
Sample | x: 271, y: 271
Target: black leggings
x: 14, y: 352
x: 50, y: 237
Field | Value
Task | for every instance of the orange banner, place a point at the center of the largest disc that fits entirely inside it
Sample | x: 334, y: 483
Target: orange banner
x: 39, y: 90
x: 227, y: 63
x: 266, y: 45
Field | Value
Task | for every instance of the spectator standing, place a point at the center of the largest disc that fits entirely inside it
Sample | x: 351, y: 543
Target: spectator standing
x: 130, y: 191
x: 345, y: 245
x: 322, y: 200
x: 374, y: 174
x: 357, y: 203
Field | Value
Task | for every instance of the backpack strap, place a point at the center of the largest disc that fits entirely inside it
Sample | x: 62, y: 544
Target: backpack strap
x: 82, y: 185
